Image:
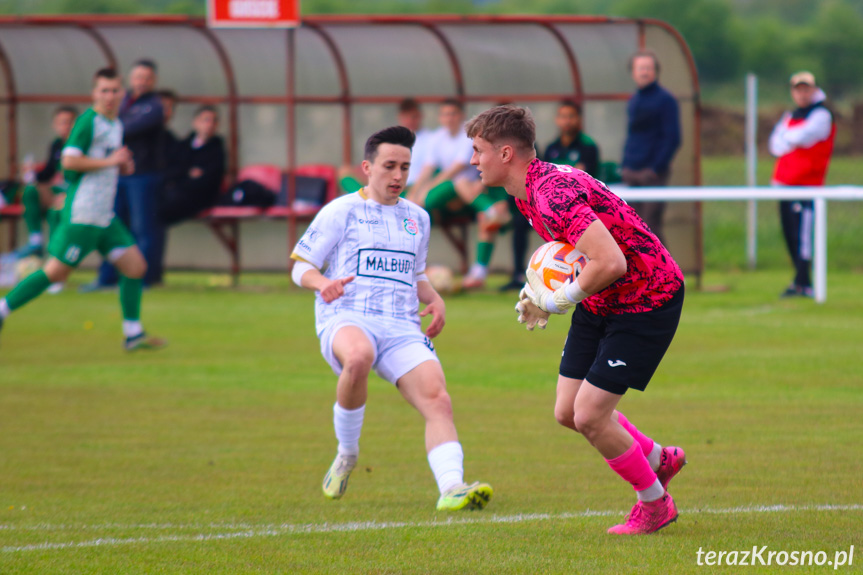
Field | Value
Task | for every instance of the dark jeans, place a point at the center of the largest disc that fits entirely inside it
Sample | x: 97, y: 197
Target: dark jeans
x: 651, y: 212
x: 137, y: 207
x: 797, y: 219
x: 520, y: 231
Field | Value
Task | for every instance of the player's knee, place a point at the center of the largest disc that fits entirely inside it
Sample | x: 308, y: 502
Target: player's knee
x: 440, y: 403
x: 588, y: 425
x: 136, y: 270
x: 564, y: 416
x: 57, y: 273
x: 358, y: 359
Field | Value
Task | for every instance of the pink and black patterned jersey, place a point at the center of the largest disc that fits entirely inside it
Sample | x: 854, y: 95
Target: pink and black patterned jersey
x: 563, y: 201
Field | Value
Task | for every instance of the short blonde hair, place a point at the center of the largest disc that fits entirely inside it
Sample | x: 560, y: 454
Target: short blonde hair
x: 505, y: 123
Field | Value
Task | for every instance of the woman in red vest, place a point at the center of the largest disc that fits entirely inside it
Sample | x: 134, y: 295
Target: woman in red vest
x: 803, y: 142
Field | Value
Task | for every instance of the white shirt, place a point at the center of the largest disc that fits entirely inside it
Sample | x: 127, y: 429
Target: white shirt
x: 420, y: 154
x: 815, y: 128
x: 385, y: 247
x: 447, y: 150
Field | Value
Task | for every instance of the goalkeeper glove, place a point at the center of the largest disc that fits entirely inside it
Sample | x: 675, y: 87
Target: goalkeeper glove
x: 558, y: 301
x: 528, y: 313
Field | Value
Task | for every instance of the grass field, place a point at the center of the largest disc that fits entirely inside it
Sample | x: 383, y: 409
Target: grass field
x: 207, y: 457
x: 724, y: 222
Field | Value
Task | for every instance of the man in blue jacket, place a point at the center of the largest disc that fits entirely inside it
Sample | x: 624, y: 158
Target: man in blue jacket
x: 137, y: 195
x: 652, y: 137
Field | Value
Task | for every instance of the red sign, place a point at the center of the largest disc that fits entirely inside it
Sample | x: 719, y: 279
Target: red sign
x: 253, y: 13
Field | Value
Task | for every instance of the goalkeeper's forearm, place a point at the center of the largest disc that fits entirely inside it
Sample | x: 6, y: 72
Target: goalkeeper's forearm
x: 565, y: 297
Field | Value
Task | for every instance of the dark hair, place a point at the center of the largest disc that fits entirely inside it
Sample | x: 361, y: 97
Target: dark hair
x: 168, y: 94
x: 146, y: 63
x: 645, y: 52
x: 398, y: 135
x: 453, y: 102
x: 500, y: 123
x: 66, y: 109
x: 408, y: 105
x: 569, y: 103
x: 107, y: 73
x: 206, y: 108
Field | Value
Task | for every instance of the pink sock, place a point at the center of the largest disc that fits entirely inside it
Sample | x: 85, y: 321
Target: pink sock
x: 634, y: 468
x: 645, y: 442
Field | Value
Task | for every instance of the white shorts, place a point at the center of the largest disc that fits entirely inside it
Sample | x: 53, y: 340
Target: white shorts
x: 399, y: 346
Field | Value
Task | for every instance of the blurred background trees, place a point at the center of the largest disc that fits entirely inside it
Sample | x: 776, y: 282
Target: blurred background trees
x: 728, y: 38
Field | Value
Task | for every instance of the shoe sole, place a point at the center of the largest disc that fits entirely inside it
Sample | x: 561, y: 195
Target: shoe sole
x: 663, y: 526
x: 477, y: 500
x: 668, y: 481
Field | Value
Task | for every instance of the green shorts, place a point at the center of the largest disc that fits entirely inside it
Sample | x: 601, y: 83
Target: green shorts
x: 71, y: 243
x: 497, y: 194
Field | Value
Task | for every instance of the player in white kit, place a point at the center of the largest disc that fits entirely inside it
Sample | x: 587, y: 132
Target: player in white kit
x: 365, y: 256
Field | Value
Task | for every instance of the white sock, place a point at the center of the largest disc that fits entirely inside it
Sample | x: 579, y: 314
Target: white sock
x: 447, y: 463
x: 35, y: 239
x: 348, y: 424
x: 654, y: 458
x: 4, y: 309
x: 478, y: 270
x: 132, y: 328
x: 652, y: 493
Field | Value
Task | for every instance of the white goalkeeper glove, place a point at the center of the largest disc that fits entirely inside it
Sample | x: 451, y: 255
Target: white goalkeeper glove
x: 558, y: 301
x: 528, y: 313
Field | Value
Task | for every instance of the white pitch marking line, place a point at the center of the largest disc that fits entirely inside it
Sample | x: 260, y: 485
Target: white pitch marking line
x: 249, y: 531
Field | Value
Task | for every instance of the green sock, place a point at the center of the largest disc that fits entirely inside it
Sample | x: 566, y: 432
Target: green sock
x: 32, y: 209
x: 440, y: 195
x: 483, y: 252
x: 130, y: 297
x: 27, y: 289
x: 350, y: 184
x: 482, y: 202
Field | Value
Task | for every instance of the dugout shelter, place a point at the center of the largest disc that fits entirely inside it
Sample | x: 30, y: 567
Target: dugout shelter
x: 312, y: 94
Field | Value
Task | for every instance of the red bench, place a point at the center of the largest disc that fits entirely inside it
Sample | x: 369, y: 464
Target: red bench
x: 225, y: 221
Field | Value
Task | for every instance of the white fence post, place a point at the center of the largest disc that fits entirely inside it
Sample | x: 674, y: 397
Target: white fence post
x: 820, y: 262
x: 752, y: 167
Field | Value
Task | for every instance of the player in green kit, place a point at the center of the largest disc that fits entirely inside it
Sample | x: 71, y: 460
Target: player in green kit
x: 93, y: 158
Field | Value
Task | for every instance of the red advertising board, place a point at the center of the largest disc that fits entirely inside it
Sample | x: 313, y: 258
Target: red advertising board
x: 253, y: 13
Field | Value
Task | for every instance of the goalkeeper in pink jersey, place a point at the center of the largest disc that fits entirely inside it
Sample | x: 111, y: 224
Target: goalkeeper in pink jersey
x: 627, y: 303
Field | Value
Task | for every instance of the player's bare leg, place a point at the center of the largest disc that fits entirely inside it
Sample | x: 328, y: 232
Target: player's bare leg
x: 595, y: 418
x: 356, y: 354
x: 564, y: 405
x: 424, y: 387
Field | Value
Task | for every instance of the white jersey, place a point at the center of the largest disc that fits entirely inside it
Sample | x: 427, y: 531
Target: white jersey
x: 420, y: 154
x: 384, y: 247
x: 447, y: 150
x: 91, y: 194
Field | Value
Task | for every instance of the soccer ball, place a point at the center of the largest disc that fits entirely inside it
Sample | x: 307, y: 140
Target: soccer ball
x: 441, y: 278
x: 556, y: 262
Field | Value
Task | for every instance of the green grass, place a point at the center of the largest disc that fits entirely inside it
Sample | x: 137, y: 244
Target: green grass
x: 725, y: 222
x: 207, y: 457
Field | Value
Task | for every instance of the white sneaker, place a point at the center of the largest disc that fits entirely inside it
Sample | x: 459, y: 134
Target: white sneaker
x: 55, y: 288
x: 336, y: 479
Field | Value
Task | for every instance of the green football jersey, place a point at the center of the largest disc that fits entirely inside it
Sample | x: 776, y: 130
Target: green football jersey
x: 90, y: 196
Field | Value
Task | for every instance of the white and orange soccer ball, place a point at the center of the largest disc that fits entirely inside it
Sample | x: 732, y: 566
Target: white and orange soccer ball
x: 556, y: 262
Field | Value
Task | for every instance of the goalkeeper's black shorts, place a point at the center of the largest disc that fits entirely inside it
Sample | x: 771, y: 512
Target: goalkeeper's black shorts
x: 619, y: 351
